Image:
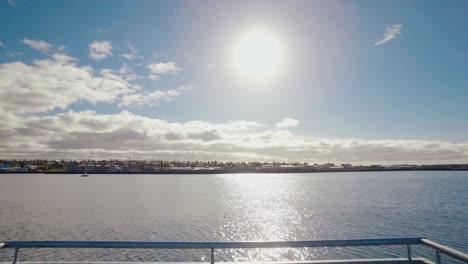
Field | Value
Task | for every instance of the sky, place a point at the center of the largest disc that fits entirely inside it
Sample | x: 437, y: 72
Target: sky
x: 362, y: 82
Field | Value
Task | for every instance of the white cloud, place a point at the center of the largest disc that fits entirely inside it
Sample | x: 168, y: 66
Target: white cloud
x: 390, y: 33
x: 131, y: 54
x: 287, y: 122
x: 12, y: 2
x: 185, y: 88
x: 99, y: 50
x: 57, y: 82
x: 154, y: 77
x: 128, y: 56
x: 1, y: 44
x: 153, y: 98
x: 14, y: 54
x: 43, y: 46
x: 128, y: 73
x: 88, y: 134
x: 162, y: 68
x: 38, y: 44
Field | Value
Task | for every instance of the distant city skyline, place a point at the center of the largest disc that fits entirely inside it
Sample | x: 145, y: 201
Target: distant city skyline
x: 362, y: 82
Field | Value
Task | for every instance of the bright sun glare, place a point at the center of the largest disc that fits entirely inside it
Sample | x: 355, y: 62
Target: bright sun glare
x: 257, y: 55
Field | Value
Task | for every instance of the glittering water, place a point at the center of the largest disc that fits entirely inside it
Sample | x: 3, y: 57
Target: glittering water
x: 237, y: 207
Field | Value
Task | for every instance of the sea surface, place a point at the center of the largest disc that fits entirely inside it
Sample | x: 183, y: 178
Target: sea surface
x: 233, y: 207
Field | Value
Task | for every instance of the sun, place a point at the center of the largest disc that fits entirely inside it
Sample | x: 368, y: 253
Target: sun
x: 257, y: 55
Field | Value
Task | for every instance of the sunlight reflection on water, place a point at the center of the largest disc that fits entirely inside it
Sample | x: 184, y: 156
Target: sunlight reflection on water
x: 241, y: 207
x: 268, y: 209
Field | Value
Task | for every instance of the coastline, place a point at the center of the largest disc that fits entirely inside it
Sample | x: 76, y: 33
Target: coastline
x: 246, y: 171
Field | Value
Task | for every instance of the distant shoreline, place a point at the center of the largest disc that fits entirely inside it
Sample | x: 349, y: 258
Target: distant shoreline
x: 247, y: 171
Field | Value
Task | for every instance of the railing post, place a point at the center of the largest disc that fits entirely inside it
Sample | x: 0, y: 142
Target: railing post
x: 15, y: 258
x: 212, y: 256
x: 408, y: 249
x: 438, y: 260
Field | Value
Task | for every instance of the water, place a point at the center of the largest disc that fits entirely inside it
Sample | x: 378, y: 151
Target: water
x: 232, y: 208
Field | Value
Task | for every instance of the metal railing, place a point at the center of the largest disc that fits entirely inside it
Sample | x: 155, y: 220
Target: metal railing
x: 16, y: 245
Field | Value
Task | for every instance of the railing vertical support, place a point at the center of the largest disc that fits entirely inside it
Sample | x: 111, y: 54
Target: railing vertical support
x: 15, y: 258
x: 408, y: 249
x: 212, y: 256
x: 439, y: 261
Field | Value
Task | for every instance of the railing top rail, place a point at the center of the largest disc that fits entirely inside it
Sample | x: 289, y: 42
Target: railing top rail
x: 218, y: 245
x: 446, y: 250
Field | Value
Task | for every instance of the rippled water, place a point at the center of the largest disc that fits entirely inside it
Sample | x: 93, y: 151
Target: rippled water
x: 232, y: 208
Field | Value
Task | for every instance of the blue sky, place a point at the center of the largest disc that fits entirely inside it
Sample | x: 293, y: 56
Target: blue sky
x: 384, y: 74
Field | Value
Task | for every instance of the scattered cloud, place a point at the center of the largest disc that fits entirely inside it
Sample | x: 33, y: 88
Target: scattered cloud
x: 14, y: 54
x: 59, y: 81
x: 287, y: 122
x: 43, y: 46
x: 99, y: 50
x: 38, y: 44
x: 390, y: 33
x: 131, y: 54
x: 29, y: 91
x: 12, y: 2
x: 128, y: 56
x: 1, y: 44
x: 127, y: 72
x: 154, y: 77
x: 185, y: 88
x: 153, y: 98
x: 162, y: 68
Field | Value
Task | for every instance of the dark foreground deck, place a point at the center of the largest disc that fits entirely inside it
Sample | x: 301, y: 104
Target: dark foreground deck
x: 351, y: 261
x: 407, y: 243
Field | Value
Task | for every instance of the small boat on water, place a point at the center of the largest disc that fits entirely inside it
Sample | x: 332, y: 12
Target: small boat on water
x: 84, y: 175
